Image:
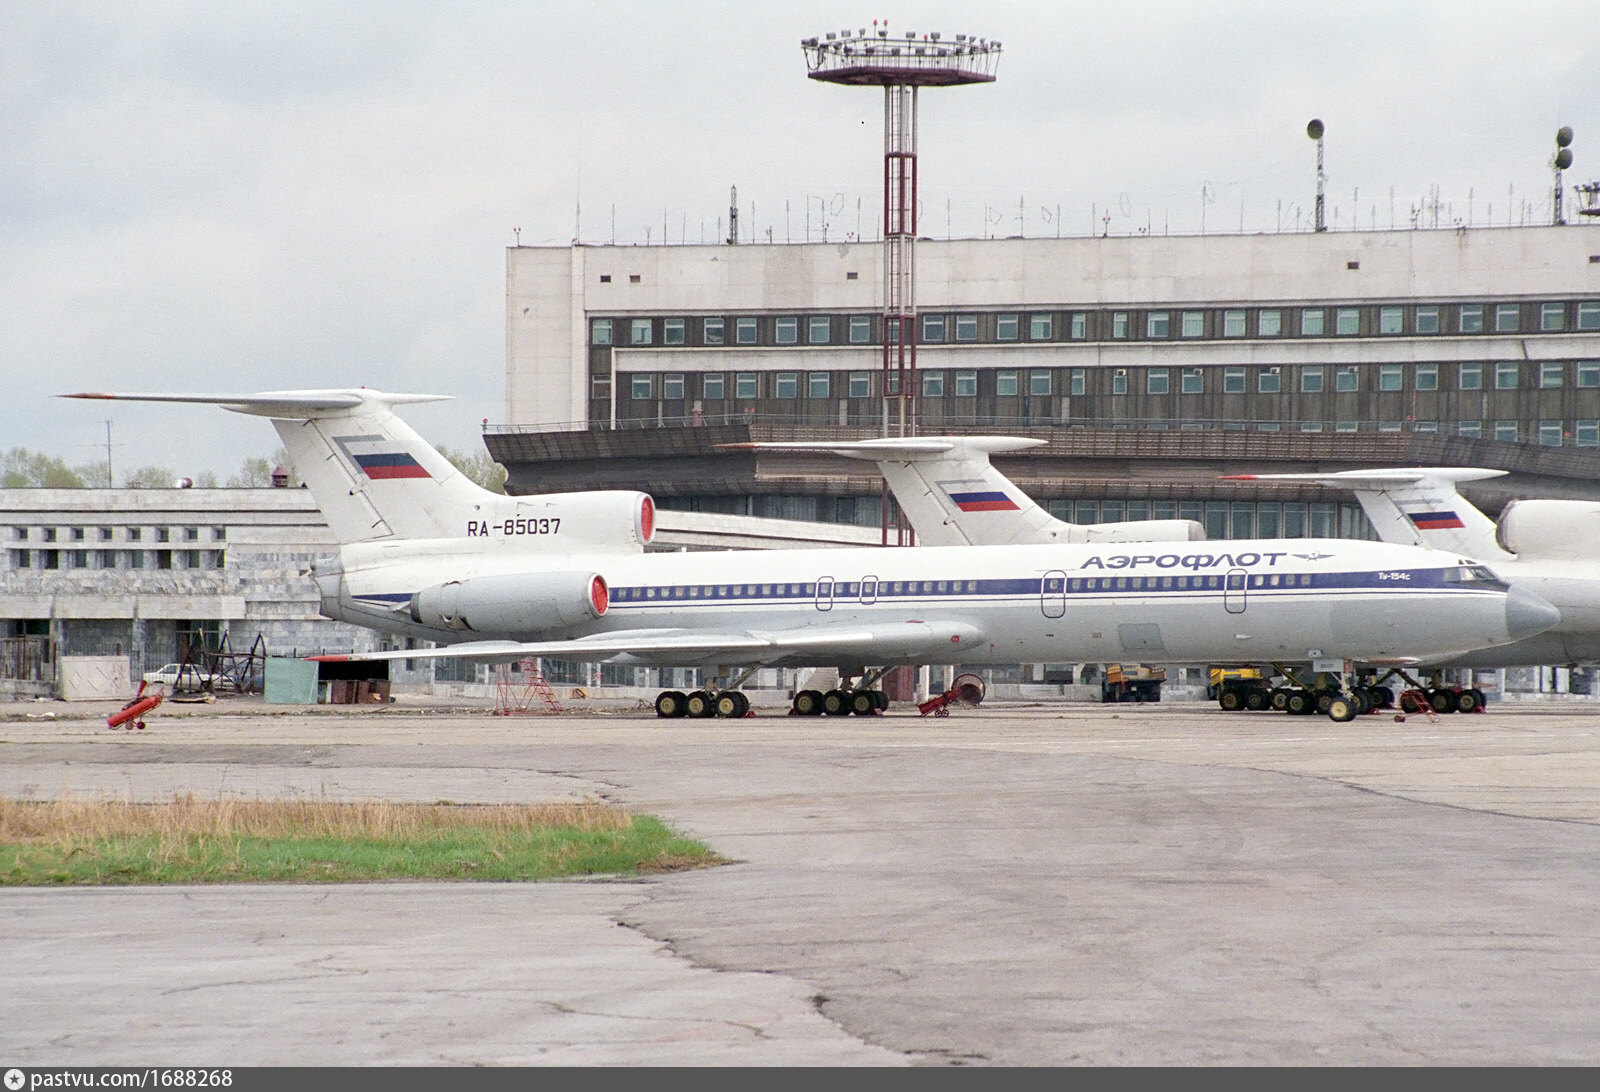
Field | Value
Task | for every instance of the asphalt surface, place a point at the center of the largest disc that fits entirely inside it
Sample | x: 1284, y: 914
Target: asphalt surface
x: 1025, y: 884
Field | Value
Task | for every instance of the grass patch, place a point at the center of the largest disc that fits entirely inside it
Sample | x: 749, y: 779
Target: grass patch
x: 189, y: 840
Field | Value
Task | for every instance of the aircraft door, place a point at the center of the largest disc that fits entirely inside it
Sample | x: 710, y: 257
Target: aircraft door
x: 869, y: 590
x: 824, y: 593
x: 1053, y: 593
x: 1233, y: 591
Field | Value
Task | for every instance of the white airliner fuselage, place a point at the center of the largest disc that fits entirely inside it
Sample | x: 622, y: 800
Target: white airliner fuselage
x: 427, y: 553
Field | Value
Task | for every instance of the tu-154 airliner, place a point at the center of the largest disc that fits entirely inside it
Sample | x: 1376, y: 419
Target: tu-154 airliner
x: 427, y: 553
x: 1546, y: 545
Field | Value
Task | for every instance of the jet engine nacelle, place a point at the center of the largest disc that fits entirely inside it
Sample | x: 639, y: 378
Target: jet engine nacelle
x: 569, y: 522
x: 512, y: 604
x: 1561, y: 529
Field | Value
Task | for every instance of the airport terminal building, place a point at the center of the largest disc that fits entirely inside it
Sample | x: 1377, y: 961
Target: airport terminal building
x: 1151, y: 364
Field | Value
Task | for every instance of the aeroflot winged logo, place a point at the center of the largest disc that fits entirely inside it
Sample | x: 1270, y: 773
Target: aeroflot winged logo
x: 968, y: 496
x: 379, y: 460
x: 1434, y: 521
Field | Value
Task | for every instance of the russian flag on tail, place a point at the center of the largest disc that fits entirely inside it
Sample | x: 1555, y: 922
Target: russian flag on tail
x: 1435, y: 521
x: 397, y: 465
x: 987, y: 501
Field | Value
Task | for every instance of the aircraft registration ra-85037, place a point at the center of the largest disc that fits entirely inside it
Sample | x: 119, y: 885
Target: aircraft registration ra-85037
x: 428, y: 553
x: 1544, y: 545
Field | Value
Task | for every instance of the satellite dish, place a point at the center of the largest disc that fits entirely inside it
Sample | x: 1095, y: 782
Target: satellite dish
x: 1314, y: 129
x: 1563, y: 159
x: 1563, y: 136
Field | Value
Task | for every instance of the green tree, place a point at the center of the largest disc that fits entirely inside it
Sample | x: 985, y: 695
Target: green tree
x: 478, y: 467
x: 253, y: 473
x: 150, y: 477
x: 256, y: 472
x: 24, y: 469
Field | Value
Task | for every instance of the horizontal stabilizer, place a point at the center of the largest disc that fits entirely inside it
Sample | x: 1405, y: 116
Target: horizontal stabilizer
x: 1376, y: 479
x: 293, y: 404
x: 905, y: 449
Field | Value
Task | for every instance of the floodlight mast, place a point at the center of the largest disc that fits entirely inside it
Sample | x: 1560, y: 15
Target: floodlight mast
x: 900, y: 64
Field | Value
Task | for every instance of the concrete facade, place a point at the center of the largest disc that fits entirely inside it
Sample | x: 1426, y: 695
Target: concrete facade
x: 1436, y: 298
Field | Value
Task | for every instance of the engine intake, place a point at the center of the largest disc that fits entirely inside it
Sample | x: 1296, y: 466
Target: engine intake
x: 512, y: 604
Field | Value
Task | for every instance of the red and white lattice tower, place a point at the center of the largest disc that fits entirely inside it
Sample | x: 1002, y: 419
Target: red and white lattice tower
x: 900, y: 64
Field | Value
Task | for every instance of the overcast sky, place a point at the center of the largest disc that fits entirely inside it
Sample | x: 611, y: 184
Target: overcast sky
x: 249, y: 196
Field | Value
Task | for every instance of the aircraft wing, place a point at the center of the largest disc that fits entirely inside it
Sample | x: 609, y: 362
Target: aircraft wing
x: 877, y: 643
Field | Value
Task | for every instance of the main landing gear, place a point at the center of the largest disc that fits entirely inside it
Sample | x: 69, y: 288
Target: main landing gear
x: 859, y: 698
x: 714, y: 701
x: 839, y: 702
x: 702, y: 703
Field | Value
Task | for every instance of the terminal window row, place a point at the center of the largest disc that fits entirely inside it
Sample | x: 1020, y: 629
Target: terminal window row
x: 1503, y: 375
x: 1221, y: 519
x: 938, y: 327
x: 116, y: 533
x: 117, y: 559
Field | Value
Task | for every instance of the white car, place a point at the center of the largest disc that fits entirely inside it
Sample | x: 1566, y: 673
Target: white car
x: 192, y: 677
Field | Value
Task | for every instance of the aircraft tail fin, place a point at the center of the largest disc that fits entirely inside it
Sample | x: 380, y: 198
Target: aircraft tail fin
x: 954, y: 496
x: 373, y: 476
x: 1416, y: 505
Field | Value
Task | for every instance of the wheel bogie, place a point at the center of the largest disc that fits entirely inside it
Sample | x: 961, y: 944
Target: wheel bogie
x: 732, y: 703
x: 808, y: 703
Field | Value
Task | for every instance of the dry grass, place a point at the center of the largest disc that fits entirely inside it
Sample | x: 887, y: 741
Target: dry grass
x: 193, y: 840
x: 87, y: 819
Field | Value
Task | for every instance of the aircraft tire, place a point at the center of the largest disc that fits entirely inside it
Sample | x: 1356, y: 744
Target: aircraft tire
x: 880, y: 700
x: 1470, y: 701
x: 1382, y: 697
x: 1321, y: 698
x: 699, y: 704
x: 862, y: 703
x: 1341, y: 708
x: 670, y: 703
x: 808, y: 703
x: 1443, y: 701
x: 836, y: 703
x: 732, y: 703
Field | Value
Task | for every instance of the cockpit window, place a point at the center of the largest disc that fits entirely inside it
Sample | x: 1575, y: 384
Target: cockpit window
x: 1477, y: 576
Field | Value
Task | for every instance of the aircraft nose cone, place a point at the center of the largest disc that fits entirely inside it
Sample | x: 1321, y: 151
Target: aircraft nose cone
x: 1527, y: 614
